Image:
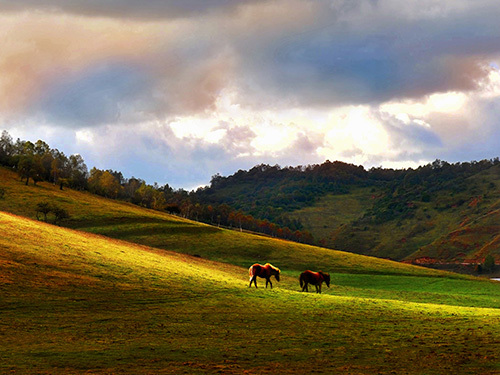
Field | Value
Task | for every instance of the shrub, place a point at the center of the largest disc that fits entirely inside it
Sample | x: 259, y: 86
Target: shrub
x: 59, y: 214
x: 489, y: 263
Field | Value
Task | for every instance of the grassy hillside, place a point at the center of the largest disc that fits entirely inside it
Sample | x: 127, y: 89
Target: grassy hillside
x: 332, y: 211
x: 75, y: 302
x: 470, y: 241
x: 453, y: 221
x: 128, y: 222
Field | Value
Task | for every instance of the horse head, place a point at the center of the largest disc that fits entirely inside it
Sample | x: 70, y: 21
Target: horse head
x: 274, y: 271
x: 326, y: 277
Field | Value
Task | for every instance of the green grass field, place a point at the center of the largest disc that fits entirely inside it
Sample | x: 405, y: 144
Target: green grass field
x: 74, y: 302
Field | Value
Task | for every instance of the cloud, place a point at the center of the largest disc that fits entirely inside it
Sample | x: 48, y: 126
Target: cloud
x: 102, y: 94
x: 373, y: 52
x: 192, y: 88
x: 316, y: 54
x: 135, y: 9
x: 76, y: 72
x: 407, y: 134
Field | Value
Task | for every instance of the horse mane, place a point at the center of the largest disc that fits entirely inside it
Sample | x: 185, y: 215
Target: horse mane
x: 274, y: 268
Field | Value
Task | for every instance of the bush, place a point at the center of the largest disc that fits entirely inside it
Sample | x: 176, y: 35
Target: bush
x: 60, y: 214
x: 478, y: 269
x: 489, y: 263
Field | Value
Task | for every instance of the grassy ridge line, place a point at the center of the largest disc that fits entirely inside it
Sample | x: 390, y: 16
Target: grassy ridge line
x: 75, y: 302
x: 131, y: 223
x: 151, y: 228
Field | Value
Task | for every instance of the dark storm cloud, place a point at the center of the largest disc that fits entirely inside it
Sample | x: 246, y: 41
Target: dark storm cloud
x: 135, y: 9
x: 377, y: 53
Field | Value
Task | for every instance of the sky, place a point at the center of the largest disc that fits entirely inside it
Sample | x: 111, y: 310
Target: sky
x: 175, y: 91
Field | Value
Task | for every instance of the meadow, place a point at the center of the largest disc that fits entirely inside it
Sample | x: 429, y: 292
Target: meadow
x: 138, y: 291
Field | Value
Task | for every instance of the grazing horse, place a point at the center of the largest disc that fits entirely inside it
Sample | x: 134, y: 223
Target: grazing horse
x: 265, y: 272
x: 314, y: 278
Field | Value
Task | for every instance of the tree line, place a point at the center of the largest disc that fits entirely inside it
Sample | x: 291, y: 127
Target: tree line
x: 38, y: 162
x: 271, y: 192
x: 35, y: 162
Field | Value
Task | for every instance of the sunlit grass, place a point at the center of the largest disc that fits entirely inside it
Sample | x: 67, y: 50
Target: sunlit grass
x: 79, y: 303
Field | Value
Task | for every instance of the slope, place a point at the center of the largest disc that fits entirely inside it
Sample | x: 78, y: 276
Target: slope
x: 409, y: 221
x: 128, y: 222
x: 469, y: 243
x: 74, y: 302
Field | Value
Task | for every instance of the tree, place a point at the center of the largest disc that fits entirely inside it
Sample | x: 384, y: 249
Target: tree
x: 38, y: 171
x: 41, y: 148
x: 6, y: 149
x: 25, y: 167
x: 43, y: 208
x: 159, y: 202
x: 93, y: 181
x: 77, y: 172
x: 46, y: 161
x: 130, y: 187
x: 103, y: 183
x: 144, y: 195
x: 109, y: 184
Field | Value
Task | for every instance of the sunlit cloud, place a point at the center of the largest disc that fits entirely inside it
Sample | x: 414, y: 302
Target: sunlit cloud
x: 176, y: 91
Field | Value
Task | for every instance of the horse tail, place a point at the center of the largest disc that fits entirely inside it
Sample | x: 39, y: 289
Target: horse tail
x: 301, y: 279
x: 251, y: 272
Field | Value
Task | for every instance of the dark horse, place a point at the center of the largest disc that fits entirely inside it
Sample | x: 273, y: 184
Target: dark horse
x: 265, y: 272
x: 314, y: 278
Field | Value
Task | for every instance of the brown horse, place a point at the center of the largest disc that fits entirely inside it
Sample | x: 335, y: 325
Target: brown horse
x: 265, y: 272
x: 314, y: 278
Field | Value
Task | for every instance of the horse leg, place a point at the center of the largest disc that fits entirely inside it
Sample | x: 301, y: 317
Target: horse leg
x: 253, y: 280
x: 268, y: 280
x: 270, y: 283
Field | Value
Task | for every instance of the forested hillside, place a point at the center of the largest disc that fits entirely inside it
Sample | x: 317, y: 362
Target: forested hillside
x: 389, y: 213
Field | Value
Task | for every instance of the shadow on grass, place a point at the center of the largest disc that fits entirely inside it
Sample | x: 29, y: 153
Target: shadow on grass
x: 105, y: 221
